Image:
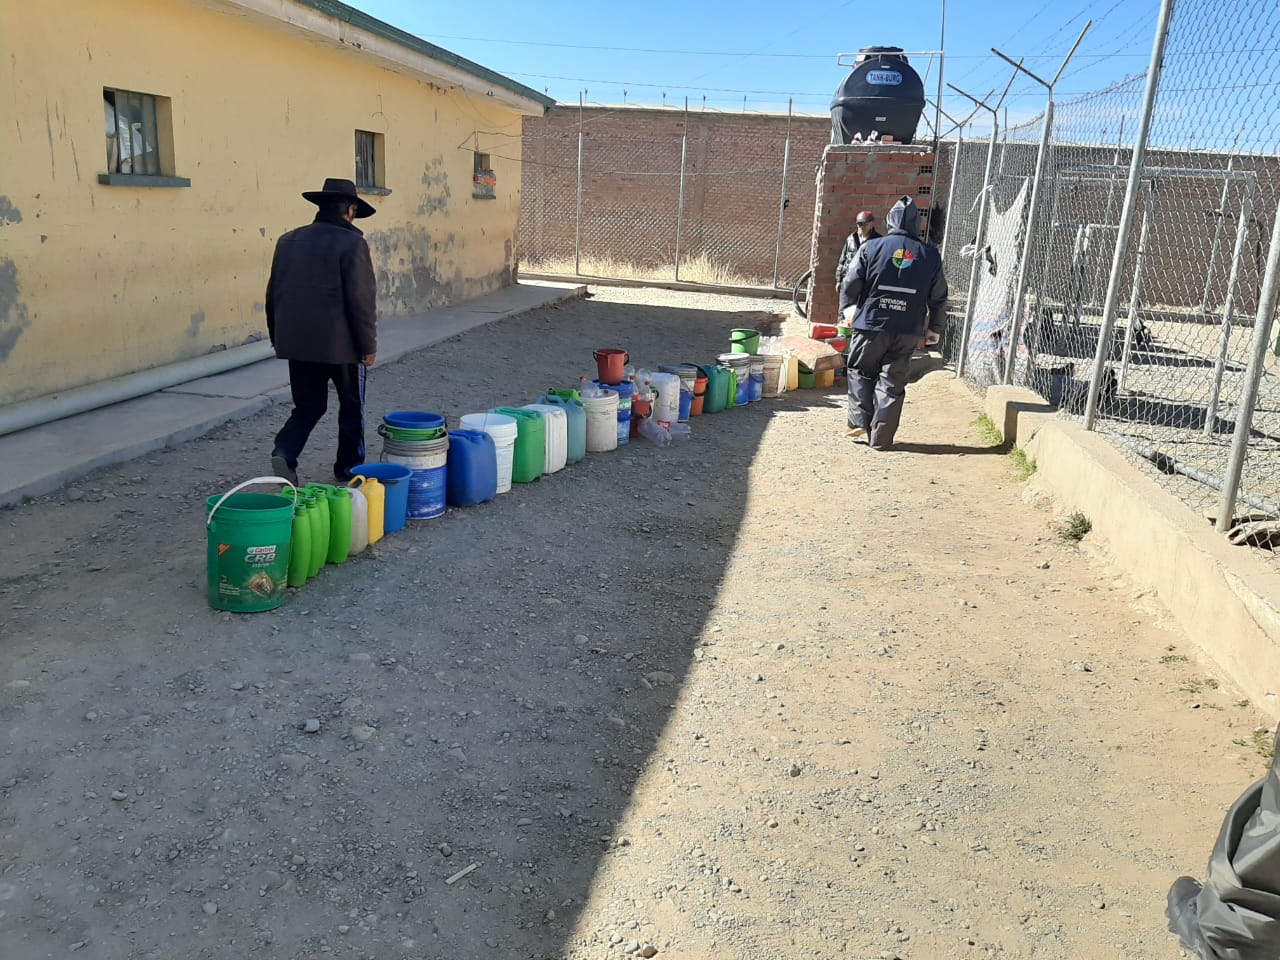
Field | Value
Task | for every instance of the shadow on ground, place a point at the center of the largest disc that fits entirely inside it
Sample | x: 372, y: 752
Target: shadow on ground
x: 490, y: 684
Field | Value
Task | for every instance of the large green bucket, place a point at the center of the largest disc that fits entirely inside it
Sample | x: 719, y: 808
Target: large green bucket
x: 249, y: 536
x: 744, y: 340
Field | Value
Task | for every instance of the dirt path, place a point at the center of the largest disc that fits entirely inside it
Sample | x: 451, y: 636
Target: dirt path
x: 761, y: 694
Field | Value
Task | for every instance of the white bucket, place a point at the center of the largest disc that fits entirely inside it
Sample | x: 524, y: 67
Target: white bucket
x: 556, y: 420
x: 775, y: 380
x: 503, y: 429
x: 666, y: 406
x: 602, y: 422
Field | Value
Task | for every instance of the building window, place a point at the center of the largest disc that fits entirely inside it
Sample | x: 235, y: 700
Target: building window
x: 139, y: 128
x: 484, y: 182
x: 371, y: 164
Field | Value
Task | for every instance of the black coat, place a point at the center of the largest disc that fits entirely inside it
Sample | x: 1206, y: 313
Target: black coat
x: 322, y: 296
x: 851, y: 245
x: 896, y: 282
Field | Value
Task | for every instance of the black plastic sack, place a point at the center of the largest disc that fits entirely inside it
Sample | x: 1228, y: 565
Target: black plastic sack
x: 1235, y: 915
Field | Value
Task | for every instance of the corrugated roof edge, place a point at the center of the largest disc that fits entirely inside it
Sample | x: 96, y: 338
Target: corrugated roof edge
x: 358, y: 18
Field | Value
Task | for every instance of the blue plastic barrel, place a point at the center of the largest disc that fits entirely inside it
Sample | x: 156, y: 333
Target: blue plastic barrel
x: 577, y: 425
x: 473, y: 468
x: 395, y: 480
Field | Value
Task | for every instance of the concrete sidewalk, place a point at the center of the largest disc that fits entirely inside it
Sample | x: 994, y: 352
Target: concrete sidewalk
x: 38, y: 461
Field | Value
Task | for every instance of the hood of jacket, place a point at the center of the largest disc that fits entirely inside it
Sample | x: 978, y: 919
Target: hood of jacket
x: 904, y: 218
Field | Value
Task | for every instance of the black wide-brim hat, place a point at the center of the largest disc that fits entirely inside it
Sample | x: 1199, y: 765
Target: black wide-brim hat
x: 339, y: 190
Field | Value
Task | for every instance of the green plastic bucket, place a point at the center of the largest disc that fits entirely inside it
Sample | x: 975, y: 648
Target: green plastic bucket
x: 411, y: 434
x: 249, y: 535
x: 744, y: 340
x: 807, y: 378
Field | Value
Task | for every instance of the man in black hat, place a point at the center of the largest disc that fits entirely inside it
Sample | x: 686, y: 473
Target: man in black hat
x: 322, y: 317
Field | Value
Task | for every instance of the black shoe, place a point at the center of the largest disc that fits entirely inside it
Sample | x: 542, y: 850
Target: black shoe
x: 280, y: 468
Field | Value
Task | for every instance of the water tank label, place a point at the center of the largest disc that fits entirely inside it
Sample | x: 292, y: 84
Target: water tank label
x: 886, y: 78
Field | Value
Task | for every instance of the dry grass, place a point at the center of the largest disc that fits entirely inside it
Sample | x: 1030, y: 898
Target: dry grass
x: 699, y: 269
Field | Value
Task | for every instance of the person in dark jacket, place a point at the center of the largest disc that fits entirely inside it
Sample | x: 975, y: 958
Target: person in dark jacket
x: 322, y: 317
x: 864, y: 229
x: 895, y: 296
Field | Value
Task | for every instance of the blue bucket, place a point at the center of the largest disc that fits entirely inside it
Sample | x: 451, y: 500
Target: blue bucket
x: 414, y: 420
x: 686, y: 404
x: 744, y: 391
x: 625, y: 390
x: 755, y: 386
x: 395, y: 479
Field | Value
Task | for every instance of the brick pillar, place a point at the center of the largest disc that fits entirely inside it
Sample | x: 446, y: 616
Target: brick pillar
x: 860, y: 176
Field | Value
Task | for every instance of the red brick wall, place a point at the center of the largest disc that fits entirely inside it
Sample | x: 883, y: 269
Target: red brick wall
x: 860, y: 177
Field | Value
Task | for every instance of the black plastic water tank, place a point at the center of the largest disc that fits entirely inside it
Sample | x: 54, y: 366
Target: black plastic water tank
x: 882, y: 93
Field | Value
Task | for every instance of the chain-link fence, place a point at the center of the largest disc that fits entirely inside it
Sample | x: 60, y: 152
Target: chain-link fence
x: 704, y: 196
x: 1139, y: 266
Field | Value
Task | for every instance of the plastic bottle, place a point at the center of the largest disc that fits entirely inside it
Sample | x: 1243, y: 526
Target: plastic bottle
x: 320, y: 543
x: 680, y: 431
x: 651, y: 431
x: 339, y: 524
x: 315, y: 562
x: 588, y: 389
x: 300, y: 548
x: 376, y: 496
x: 359, y: 521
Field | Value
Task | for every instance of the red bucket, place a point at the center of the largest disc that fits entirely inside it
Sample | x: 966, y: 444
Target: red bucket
x: 823, y: 331
x: 611, y: 364
x: 699, y: 389
x: 695, y: 405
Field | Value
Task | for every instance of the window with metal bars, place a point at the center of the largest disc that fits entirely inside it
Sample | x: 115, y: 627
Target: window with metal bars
x: 133, y: 133
x: 484, y: 182
x: 368, y: 159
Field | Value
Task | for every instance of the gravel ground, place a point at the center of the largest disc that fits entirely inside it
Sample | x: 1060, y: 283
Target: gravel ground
x: 764, y: 693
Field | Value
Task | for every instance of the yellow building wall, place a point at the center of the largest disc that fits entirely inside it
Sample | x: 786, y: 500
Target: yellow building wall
x: 97, y: 281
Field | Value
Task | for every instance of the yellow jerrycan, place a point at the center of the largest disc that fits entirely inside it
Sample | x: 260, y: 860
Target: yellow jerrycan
x: 377, y: 498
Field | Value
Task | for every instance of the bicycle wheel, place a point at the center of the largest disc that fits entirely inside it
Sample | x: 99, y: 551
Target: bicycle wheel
x: 800, y: 294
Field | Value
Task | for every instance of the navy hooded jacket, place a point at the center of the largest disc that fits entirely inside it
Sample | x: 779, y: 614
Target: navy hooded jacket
x: 896, y: 281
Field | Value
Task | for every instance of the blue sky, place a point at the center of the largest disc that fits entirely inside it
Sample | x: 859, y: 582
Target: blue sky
x: 768, y: 52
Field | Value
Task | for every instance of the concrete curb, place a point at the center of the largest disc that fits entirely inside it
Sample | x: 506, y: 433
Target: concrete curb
x: 40, y: 460
x: 1226, y: 600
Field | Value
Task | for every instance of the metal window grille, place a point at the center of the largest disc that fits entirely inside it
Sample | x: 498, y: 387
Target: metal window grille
x: 366, y: 159
x: 133, y: 135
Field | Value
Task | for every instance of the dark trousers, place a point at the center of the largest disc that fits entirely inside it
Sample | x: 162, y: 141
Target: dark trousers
x: 309, y: 383
x: 878, y: 368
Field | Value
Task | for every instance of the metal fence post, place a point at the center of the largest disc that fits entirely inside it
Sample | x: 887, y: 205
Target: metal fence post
x: 1033, y: 208
x: 1136, y: 163
x: 951, y: 192
x: 975, y: 271
x: 1136, y: 294
x: 684, y: 152
x: 1262, y: 324
x: 1217, y: 238
x: 1228, y: 308
x: 782, y: 198
x: 577, y: 230
x: 1028, y: 246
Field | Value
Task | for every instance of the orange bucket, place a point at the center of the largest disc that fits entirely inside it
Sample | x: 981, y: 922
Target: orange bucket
x: 695, y: 405
x: 611, y: 364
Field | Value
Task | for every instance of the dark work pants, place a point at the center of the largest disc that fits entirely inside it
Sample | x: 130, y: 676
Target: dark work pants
x: 309, y: 383
x: 878, y: 368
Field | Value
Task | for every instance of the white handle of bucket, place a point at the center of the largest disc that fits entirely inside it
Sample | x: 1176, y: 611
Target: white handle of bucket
x: 249, y: 483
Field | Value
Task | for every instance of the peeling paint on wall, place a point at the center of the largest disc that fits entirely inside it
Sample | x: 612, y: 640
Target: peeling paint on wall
x: 408, y: 272
x: 13, y: 312
x: 435, y: 179
x: 8, y: 212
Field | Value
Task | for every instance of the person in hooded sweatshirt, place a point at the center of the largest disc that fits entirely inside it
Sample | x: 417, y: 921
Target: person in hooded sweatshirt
x: 895, y: 298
